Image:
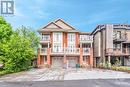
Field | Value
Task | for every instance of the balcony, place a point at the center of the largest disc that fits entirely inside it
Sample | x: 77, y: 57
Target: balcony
x: 86, y: 38
x: 120, y: 37
x: 67, y: 51
x: 43, y: 51
x: 71, y: 51
x: 118, y: 52
x: 57, y: 51
x: 86, y: 51
x: 126, y: 51
x: 45, y: 39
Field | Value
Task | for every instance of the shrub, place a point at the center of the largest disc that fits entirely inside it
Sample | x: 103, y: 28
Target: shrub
x: 3, y: 73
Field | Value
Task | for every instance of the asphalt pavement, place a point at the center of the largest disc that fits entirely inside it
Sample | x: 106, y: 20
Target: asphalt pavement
x: 71, y: 83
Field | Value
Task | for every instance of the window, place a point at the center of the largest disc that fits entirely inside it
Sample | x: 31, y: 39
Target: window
x: 118, y: 35
x: 86, y: 37
x: 57, y: 37
x: 71, y: 37
x: 117, y: 46
x: 71, y: 47
x: 57, y: 42
x: 57, y: 48
x: 46, y: 37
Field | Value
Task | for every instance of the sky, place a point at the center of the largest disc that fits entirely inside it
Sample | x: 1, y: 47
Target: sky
x: 84, y: 15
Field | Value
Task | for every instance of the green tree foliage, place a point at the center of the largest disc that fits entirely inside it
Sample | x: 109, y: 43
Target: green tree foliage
x: 19, y: 49
x: 5, y: 29
x: 5, y: 33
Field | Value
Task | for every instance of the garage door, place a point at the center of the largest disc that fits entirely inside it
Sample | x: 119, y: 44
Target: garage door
x: 72, y: 63
x: 57, y: 62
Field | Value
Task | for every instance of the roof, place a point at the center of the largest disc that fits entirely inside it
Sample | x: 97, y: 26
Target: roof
x: 58, y: 25
x: 50, y: 24
x: 88, y: 33
x: 100, y: 27
x: 64, y: 23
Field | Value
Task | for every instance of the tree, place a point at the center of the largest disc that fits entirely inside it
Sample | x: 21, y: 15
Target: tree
x: 5, y: 33
x: 30, y: 35
x: 20, y: 50
x: 17, y: 48
x: 5, y: 30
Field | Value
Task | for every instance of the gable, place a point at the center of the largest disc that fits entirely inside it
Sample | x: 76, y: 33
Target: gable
x: 52, y: 25
x: 63, y: 24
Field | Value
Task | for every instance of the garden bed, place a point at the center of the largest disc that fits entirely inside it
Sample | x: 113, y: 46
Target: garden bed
x: 118, y: 68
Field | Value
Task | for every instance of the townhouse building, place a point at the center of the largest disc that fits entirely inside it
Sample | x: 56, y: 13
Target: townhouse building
x: 111, y: 43
x: 61, y: 45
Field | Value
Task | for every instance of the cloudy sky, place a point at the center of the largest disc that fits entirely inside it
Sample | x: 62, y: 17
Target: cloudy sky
x: 84, y: 15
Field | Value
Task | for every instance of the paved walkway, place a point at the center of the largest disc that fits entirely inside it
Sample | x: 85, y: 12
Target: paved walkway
x: 62, y: 74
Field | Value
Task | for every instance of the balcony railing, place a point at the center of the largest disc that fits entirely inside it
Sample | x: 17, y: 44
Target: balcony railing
x: 84, y: 38
x: 123, y: 51
x: 120, y: 37
x: 86, y: 51
x: 45, y: 38
x: 126, y: 51
x: 57, y: 51
x: 71, y: 51
x: 43, y: 51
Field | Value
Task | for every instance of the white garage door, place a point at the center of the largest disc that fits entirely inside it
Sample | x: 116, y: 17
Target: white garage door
x: 72, y: 63
x: 57, y: 62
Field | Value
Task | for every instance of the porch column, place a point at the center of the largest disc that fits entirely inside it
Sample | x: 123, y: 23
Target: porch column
x: 109, y: 58
x: 65, y: 62
x: 48, y: 45
x: 91, y: 56
x: 121, y: 47
x: 81, y: 54
x: 48, y: 56
x: 64, y: 50
x: 65, y: 59
x: 91, y: 45
x: 38, y: 57
x: 109, y: 61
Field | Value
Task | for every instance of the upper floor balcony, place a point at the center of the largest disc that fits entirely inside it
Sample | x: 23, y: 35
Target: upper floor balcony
x: 45, y: 39
x: 86, y: 51
x: 43, y: 51
x: 118, y: 52
x: 85, y: 38
x: 120, y: 37
x: 71, y: 50
x: 65, y: 51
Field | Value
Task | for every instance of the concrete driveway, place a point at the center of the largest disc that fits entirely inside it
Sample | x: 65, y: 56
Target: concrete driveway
x: 35, y: 75
x: 63, y: 74
x: 95, y: 74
